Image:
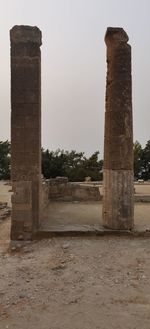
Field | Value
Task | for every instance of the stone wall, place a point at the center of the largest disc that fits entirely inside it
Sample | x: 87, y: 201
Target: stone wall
x: 62, y: 190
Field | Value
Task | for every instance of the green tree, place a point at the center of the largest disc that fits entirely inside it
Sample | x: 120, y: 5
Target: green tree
x: 72, y: 164
x: 60, y: 163
x: 94, y: 166
x: 53, y: 163
x: 4, y: 160
x: 146, y: 161
x: 137, y: 151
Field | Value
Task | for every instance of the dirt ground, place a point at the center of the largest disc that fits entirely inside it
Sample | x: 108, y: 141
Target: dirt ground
x: 61, y: 215
x: 64, y: 283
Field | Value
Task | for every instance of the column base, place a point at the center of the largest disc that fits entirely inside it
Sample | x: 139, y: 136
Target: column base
x: 118, y: 199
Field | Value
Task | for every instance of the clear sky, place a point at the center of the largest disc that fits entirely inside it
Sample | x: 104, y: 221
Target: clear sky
x: 74, y: 66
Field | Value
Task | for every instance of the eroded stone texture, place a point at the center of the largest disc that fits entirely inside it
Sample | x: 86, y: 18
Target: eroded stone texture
x: 25, y: 130
x: 118, y: 140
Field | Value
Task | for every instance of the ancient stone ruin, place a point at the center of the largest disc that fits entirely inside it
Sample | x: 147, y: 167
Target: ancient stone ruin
x: 60, y: 189
x: 118, y: 140
x: 26, y: 134
x: 25, y: 130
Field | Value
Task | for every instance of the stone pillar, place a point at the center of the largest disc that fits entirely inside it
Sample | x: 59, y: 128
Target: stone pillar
x: 118, y: 141
x: 25, y: 130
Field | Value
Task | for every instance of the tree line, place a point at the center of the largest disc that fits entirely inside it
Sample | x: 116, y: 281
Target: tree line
x: 142, y: 161
x: 75, y: 165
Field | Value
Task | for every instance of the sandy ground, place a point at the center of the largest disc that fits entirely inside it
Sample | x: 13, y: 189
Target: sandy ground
x: 80, y: 214
x: 142, y: 188
x: 75, y: 283
x: 5, y: 192
x: 65, y: 283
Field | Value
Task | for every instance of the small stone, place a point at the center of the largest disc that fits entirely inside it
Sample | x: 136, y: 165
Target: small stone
x: 10, y: 284
x: 116, y: 281
x: 58, y: 267
x: 13, y: 248
x: 20, y: 237
x: 26, y: 249
x: 66, y: 245
x: 22, y: 296
x: 143, y: 277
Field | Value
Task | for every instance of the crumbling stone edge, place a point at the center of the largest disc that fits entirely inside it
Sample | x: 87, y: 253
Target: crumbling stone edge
x: 39, y: 235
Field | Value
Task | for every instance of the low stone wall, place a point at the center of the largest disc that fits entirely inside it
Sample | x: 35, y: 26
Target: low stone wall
x: 141, y: 198
x: 60, y: 189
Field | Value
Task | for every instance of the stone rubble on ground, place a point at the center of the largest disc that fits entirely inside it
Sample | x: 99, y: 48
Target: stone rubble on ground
x: 5, y: 211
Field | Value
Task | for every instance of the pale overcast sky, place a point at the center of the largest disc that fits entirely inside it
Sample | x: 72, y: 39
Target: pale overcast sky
x: 74, y: 66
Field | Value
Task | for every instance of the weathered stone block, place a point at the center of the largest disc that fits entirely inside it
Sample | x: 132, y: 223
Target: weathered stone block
x: 22, y: 192
x: 118, y: 196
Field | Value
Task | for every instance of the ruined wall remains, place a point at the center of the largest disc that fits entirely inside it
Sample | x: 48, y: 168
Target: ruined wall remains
x: 25, y: 130
x: 118, y: 141
x: 61, y: 190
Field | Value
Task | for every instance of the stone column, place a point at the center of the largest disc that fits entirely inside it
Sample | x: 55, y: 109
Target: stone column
x: 118, y: 141
x: 25, y: 130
